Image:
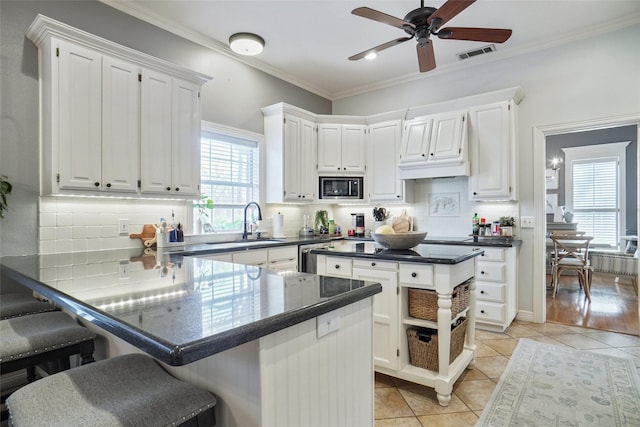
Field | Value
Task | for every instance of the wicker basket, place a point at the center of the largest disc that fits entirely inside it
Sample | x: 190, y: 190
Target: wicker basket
x: 425, y: 354
x: 423, y: 303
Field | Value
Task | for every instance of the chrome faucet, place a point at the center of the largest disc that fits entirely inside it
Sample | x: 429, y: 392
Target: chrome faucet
x: 245, y: 234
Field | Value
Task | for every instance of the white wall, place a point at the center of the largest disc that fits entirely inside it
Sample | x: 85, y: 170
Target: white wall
x: 583, y: 80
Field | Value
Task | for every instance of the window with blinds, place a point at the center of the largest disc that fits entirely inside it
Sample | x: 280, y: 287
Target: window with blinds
x: 595, y: 190
x: 229, y: 176
x: 595, y: 198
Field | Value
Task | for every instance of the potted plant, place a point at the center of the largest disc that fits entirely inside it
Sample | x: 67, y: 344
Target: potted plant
x: 506, y: 225
x: 5, y: 190
x: 202, y: 221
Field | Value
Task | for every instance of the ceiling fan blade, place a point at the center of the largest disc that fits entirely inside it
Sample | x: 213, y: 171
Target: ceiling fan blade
x: 489, y: 35
x: 379, y: 48
x: 426, y: 57
x: 376, y: 15
x: 450, y: 9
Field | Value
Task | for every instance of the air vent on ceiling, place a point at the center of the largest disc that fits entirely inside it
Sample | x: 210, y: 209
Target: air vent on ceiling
x: 475, y: 52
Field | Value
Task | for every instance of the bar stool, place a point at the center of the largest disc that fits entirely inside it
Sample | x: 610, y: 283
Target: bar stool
x: 129, y: 390
x: 21, y: 304
x: 28, y: 341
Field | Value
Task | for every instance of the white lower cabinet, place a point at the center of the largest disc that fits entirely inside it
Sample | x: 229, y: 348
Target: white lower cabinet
x: 279, y: 259
x: 392, y: 319
x: 496, y: 288
x: 385, y: 309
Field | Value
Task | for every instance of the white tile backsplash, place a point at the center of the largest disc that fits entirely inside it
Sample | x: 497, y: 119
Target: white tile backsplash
x: 78, y: 224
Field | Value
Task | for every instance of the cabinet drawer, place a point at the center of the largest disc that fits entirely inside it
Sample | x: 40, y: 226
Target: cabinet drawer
x: 490, y: 312
x: 289, y: 253
x: 489, y: 271
x: 417, y: 275
x: 375, y: 264
x: 490, y: 292
x: 492, y: 254
x: 339, y: 267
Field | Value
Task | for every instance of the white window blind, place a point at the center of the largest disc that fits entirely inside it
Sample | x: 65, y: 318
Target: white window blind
x: 229, y: 176
x: 595, y: 198
x: 595, y: 190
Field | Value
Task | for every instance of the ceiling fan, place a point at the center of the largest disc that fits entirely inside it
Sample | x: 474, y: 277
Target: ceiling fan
x: 424, y: 22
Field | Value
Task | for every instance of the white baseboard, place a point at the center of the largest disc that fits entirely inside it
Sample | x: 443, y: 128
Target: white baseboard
x: 525, y: 316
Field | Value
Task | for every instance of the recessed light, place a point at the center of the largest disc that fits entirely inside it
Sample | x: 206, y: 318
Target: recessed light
x: 246, y: 43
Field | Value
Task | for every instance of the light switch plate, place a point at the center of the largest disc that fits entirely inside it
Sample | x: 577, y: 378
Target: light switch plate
x: 526, y: 222
x: 328, y: 323
x: 124, y: 269
x: 123, y: 226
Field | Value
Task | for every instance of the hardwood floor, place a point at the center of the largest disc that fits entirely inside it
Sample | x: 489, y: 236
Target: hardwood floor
x: 613, y: 307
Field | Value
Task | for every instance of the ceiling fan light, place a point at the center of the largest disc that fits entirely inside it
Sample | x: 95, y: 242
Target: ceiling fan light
x: 246, y: 44
x: 371, y: 55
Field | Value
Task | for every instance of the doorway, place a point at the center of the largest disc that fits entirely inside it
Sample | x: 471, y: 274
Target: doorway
x: 541, y: 135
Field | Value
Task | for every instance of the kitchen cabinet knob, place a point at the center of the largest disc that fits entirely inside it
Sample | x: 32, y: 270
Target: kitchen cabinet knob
x: 177, y: 188
x: 414, y: 274
x: 304, y: 196
x: 422, y: 154
x: 431, y: 154
x: 337, y: 267
x: 475, y: 194
x: 373, y: 264
x: 97, y: 184
x: 398, y: 196
x: 108, y: 185
x: 482, y: 311
x: 299, y: 196
x: 168, y: 188
x: 482, y: 292
x: 482, y: 272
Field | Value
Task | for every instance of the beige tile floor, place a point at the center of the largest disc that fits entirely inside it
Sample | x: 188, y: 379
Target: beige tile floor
x: 403, y: 404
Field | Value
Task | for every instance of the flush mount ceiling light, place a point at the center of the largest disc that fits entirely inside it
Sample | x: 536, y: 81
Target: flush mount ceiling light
x: 246, y: 44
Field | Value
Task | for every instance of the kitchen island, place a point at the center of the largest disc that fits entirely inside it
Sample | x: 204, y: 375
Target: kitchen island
x: 276, y: 348
x: 446, y: 276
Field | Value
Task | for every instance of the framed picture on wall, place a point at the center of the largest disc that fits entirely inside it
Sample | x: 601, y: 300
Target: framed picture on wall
x: 552, y: 203
x: 552, y: 179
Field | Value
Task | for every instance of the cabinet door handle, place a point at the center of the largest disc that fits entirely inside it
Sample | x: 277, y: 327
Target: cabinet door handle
x: 414, y: 274
x: 337, y: 267
x: 475, y: 194
x: 168, y: 188
x: 431, y: 154
x: 108, y: 185
x: 422, y: 154
x: 482, y: 272
x: 97, y: 184
x: 398, y: 196
x: 177, y: 188
x: 373, y: 264
x: 482, y: 292
x: 482, y: 311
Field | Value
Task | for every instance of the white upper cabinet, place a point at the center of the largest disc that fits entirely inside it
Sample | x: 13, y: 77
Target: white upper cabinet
x: 170, y: 136
x: 493, y: 151
x: 434, y: 146
x: 290, y: 142
x: 104, y: 129
x: 77, y: 118
x: 120, y: 125
x: 383, y: 145
x: 341, y: 149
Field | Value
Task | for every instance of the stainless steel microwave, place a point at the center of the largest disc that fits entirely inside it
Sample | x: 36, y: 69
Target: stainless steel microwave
x: 345, y: 188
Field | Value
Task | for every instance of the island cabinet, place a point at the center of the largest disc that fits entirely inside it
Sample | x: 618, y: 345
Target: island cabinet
x: 106, y: 110
x: 392, y: 319
x: 291, y: 139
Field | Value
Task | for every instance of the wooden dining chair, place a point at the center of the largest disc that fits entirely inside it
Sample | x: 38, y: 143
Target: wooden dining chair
x: 571, y: 252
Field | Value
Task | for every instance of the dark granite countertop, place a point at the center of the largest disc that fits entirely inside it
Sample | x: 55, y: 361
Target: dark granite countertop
x: 180, y: 309
x: 424, y: 253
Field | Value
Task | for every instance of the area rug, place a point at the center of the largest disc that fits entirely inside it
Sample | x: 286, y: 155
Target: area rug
x: 548, y: 385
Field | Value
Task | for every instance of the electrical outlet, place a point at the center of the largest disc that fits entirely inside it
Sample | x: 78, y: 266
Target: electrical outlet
x: 526, y: 222
x: 123, y: 226
x: 124, y: 269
